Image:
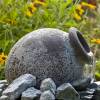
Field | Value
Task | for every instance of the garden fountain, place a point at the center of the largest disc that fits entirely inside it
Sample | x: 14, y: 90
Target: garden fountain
x: 50, y: 53
x: 54, y: 57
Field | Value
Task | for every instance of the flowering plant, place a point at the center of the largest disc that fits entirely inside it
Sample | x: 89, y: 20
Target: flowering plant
x: 18, y: 17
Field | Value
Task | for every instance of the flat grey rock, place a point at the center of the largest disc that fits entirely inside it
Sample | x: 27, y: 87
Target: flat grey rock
x: 81, y: 84
x: 67, y: 92
x: 87, y: 97
x: 47, y: 95
x: 95, y: 87
x: 4, y: 97
x: 92, y: 86
x: 19, y: 85
x: 48, y: 84
x: 3, y: 81
x: 30, y: 94
x: 83, y: 93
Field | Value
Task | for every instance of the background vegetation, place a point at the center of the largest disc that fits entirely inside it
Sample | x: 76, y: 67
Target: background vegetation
x: 19, y: 17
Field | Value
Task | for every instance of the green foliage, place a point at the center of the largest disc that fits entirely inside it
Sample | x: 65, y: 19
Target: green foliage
x: 14, y: 22
x: 2, y: 74
x: 97, y: 74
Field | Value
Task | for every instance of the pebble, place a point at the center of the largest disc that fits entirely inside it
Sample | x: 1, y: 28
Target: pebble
x: 19, y: 85
x: 67, y: 92
x: 30, y: 94
x: 47, y: 95
x: 48, y: 84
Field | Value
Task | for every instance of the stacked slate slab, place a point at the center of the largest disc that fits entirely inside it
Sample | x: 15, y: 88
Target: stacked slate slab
x: 3, y: 85
x: 24, y: 88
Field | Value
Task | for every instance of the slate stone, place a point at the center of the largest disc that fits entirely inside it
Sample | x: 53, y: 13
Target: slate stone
x: 2, y: 86
x: 48, y: 84
x: 83, y: 93
x: 67, y: 92
x: 3, y: 81
x: 47, y: 95
x: 4, y: 97
x: 81, y: 84
x: 97, y: 90
x: 19, y: 85
x: 87, y: 97
x: 92, y: 91
x: 45, y: 53
x: 92, y: 86
x: 30, y: 94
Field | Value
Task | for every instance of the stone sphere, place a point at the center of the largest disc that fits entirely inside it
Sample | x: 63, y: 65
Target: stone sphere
x: 49, y: 53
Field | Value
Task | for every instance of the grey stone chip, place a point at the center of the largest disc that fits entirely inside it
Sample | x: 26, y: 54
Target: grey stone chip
x: 19, y: 85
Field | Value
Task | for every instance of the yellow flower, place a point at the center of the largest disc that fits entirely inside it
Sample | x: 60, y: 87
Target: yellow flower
x: 88, y: 5
x: 78, y: 6
x: 33, y: 9
x: 78, y: 12
x: 38, y: 3
x: 81, y: 11
x: 28, y: 13
x: 77, y: 16
x: 96, y: 41
x: 1, y: 61
x: 2, y: 58
x: 93, y: 40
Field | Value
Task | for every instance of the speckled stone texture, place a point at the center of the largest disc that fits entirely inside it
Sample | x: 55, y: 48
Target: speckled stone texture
x: 45, y: 53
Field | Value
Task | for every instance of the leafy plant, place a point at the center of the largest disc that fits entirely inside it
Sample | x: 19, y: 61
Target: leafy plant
x: 2, y: 74
x: 19, y: 17
x: 97, y: 73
